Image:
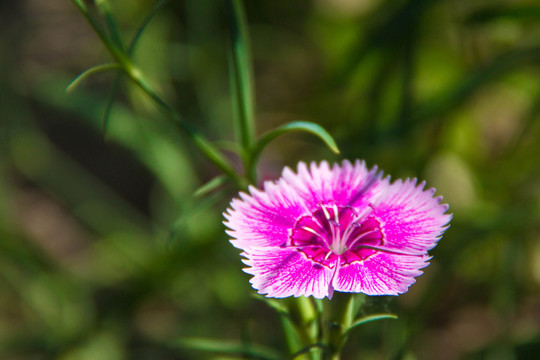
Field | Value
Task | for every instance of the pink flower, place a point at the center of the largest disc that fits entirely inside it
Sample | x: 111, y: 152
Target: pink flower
x: 344, y: 228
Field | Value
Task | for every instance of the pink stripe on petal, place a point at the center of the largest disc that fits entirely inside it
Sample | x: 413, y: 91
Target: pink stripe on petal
x: 283, y: 272
x: 263, y: 218
x: 412, y: 220
x: 347, y: 184
x: 306, y: 186
x: 342, y: 228
x: 355, y: 185
x: 380, y: 274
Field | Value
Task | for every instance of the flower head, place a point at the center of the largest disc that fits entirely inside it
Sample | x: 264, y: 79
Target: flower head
x: 344, y: 228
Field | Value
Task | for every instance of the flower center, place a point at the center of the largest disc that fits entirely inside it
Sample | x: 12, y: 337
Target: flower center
x: 337, y: 230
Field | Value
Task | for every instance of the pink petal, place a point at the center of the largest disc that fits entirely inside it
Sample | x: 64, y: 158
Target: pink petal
x: 412, y: 220
x: 282, y: 272
x: 290, y: 246
x: 380, y: 274
x: 264, y: 218
x: 343, y: 185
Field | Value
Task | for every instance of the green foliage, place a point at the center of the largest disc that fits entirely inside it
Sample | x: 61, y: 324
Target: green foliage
x: 111, y: 242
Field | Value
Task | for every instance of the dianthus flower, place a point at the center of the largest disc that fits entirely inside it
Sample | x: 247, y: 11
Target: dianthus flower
x: 344, y: 228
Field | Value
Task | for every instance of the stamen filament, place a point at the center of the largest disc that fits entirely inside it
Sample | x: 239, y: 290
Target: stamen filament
x: 326, y: 213
x: 308, y: 229
x: 336, y: 216
x: 371, y: 247
x: 359, y: 237
x: 350, y: 229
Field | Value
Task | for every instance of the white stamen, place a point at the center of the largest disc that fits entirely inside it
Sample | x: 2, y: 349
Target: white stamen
x: 332, y: 230
x: 310, y: 230
x: 365, y: 212
x: 336, y: 216
x: 326, y: 213
x: 350, y: 230
x: 361, y: 236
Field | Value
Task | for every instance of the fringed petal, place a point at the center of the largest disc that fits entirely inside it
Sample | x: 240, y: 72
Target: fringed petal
x: 283, y: 272
x: 342, y: 228
x: 263, y: 218
x: 345, y: 185
x: 380, y: 274
x: 412, y: 220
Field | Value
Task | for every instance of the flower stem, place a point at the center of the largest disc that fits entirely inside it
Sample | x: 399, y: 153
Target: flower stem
x: 200, y: 141
x: 124, y: 63
x: 241, y: 77
x: 338, y: 316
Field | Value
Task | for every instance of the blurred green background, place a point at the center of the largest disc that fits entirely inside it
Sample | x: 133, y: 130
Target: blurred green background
x: 106, y: 254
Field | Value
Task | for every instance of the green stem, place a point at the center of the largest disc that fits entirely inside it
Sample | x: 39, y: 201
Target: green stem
x: 200, y: 141
x: 130, y: 50
x: 137, y: 77
x: 242, y: 82
x: 118, y: 55
x: 338, y: 316
x: 110, y: 24
x: 303, y: 316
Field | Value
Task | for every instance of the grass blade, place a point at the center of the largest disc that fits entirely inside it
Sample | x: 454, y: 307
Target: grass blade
x: 93, y: 70
x: 131, y: 48
x: 157, y: 6
x: 370, y: 318
x: 138, y: 78
x: 241, y: 73
x: 295, y: 126
x: 210, y: 186
x: 110, y: 23
x: 110, y: 102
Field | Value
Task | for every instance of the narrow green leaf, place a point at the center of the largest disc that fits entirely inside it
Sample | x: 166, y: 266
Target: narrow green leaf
x: 157, y: 6
x: 110, y: 22
x: 241, y: 73
x: 110, y: 102
x: 131, y: 48
x: 295, y: 126
x: 138, y: 78
x: 227, y: 347
x: 370, y: 318
x: 207, y: 148
x: 357, y: 301
x: 114, y: 46
x: 93, y: 70
x: 210, y: 186
x: 116, y: 52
